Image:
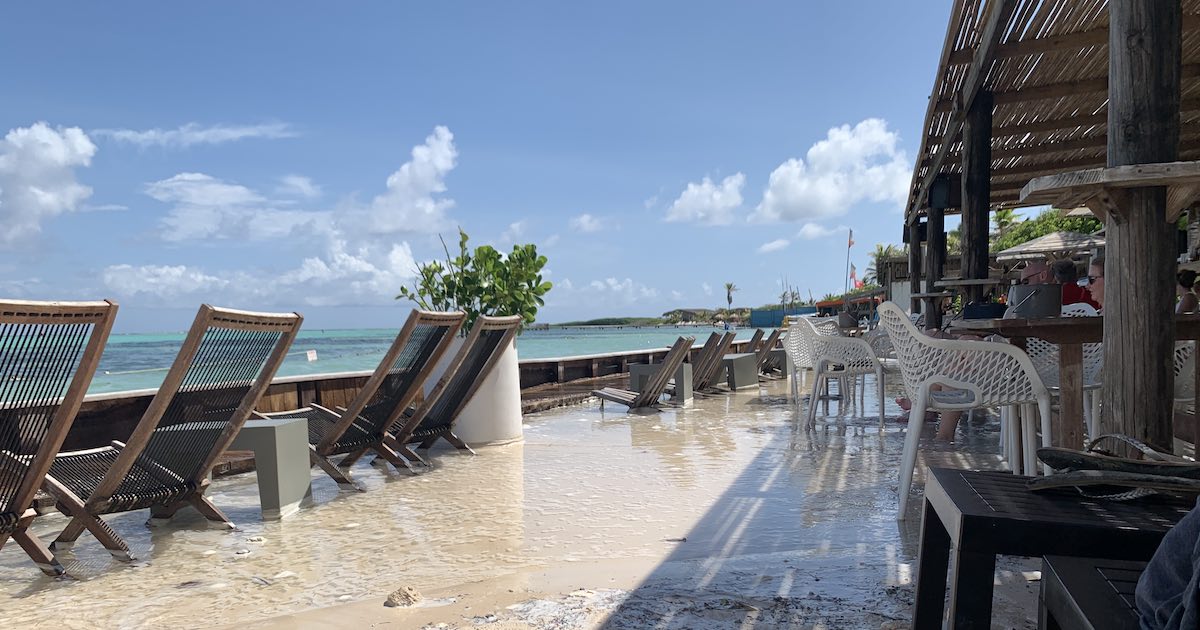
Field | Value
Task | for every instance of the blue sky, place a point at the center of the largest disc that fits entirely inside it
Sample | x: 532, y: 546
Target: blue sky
x: 304, y: 156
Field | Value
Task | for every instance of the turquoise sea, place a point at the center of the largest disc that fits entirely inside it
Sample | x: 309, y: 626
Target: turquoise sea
x: 140, y: 361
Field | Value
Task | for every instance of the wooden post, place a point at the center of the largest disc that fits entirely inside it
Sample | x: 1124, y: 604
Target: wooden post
x: 1143, y: 127
x: 976, y: 191
x: 914, y: 264
x: 935, y: 261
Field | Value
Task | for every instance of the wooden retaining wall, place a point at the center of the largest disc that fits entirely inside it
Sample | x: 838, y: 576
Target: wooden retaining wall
x: 107, y: 417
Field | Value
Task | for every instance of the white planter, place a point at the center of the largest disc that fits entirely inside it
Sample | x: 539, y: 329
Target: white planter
x: 494, y: 414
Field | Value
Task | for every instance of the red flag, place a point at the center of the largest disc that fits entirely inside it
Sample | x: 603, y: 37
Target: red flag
x: 850, y: 239
x: 854, y: 276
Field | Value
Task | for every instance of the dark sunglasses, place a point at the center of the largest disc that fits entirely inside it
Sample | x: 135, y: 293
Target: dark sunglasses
x: 1083, y: 282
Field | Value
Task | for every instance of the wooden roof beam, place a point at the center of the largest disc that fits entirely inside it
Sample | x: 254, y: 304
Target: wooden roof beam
x: 994, y: 27
x: 1066, y: 42
x: 1059, y: 90
x: 1078, y: 144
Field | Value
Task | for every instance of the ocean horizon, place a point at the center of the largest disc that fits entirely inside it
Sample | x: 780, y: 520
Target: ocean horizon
x: 133, y: 361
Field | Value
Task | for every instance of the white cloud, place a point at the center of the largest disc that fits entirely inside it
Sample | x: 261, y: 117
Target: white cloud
x: 586, y: 223
x: 195, y: 133
x: 626, y: 290
x: 676, y: 295
x: 551, y: 240
x: 410, y: 203
x: 706, y: 287
x: 341, y: 276
x: 773, y: 246
x: 707, y: 202
x: 852, y: 164
x: 204, y: 207
x: 160, y: 281
x: 297, y: 186
x: 103, y: 207
x: 650, y: 202
x: 37, y: 177
x: 812, y: 231
x: 565, y: 283
x: 515, y: 230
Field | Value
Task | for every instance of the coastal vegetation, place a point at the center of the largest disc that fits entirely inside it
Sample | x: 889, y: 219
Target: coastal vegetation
x: 482, y: 282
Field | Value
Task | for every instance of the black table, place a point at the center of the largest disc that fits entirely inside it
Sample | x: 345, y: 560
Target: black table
x: 984, y: 514
x: 1088, y: 593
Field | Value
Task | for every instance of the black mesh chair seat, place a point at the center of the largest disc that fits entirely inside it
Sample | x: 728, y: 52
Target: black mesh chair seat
x: 146, y: 485
x: 425, y: 431
x: 8, y: 522
x: 320, y: 424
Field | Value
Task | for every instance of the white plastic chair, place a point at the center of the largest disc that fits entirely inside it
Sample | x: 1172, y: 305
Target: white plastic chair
x: 841, y: 357
x: 1045, y: 358
x: 799, y: 347
x: 954, y: 375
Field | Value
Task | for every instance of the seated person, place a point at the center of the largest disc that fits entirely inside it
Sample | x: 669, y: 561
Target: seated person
x: 1168, y: 593
x: 1184, y: 280
x: 1067, y: 275
x: 1036, y: 272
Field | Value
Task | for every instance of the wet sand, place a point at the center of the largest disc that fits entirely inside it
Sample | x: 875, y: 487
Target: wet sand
x: 726, y: 514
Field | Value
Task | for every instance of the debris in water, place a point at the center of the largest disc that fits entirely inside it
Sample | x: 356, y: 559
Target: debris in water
x: 283, y: 574
x: 402, y: 597
x: 242, y: 552
x: 683, y: 539
x: 189, y: 584
x: 256, y: 539
x: 260, y: 581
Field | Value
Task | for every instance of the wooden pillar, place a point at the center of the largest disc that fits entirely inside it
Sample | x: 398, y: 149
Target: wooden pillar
x: 935, y: 260
x: 914, y: 264
x: 976, y: 191
x: 1143, y: 127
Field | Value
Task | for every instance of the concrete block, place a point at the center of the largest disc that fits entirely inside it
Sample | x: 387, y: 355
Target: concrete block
x: 639, y: 373
x: 281, y: 458
x: 741, y: 370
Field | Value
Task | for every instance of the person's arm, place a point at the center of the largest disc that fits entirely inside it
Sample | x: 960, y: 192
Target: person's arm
x: 1187, y: 303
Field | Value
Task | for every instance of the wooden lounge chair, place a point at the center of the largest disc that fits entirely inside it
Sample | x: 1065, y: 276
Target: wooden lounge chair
x: 764, y: 352
x: 227, y: 361
x: 699, y: 363
x: 752, y: 345
x: 364, y: 423
x: 48, y: 354
x: 704, y: 377
x: 434, y: 418
x: 655, y: 385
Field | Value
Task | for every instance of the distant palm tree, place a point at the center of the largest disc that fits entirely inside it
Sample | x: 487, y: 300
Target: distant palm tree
x: 882, y: 253
x: 1004, y: 220
x: 828, y: 297
x: 954, y: 241
x: 729, y: 289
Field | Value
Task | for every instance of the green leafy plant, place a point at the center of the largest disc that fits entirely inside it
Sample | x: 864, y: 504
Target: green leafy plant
x: 482, y: 282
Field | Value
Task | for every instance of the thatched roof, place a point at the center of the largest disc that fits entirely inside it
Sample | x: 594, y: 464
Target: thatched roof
x: 1046, y: 64
x: 1052, y: 245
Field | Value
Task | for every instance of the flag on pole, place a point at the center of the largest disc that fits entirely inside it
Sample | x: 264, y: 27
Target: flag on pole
x: 850, y: 239
x: 853, y: 275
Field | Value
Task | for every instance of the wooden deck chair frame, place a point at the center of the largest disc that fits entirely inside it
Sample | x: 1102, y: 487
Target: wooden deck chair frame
x: 86, y: 513
x: 764, y: 352
x: 655, y: 385
x: 706, y: 380
x: 331, y: 444
x: 752, y: 345
x: 100, y: 315
x: 701, y: 361
x: 399, y: 439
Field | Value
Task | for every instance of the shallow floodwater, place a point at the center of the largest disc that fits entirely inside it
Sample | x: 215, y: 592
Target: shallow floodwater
x: 733, y: 495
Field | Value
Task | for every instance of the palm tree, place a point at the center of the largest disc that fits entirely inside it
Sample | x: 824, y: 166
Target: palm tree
x: 1004, y: 220
x: 729, y: 289
x: 882, y: 252
x: 954, y: 241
